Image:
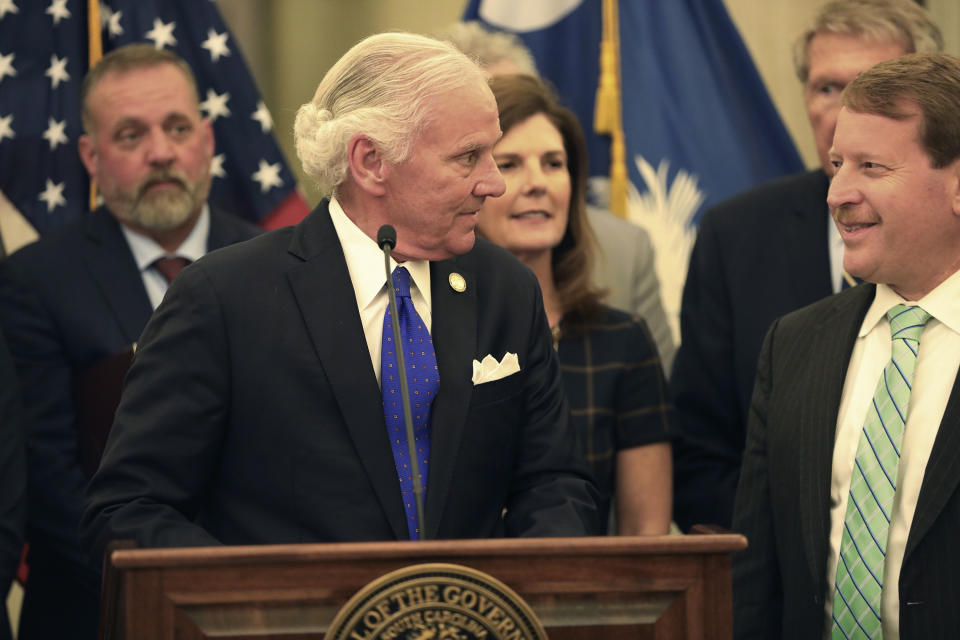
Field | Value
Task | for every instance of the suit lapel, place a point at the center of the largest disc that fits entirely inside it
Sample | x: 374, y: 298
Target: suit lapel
x: 942, y: 475
x: 322, y: 287
x: 832, y: 338
x: 454, y: 332
x: 106, y: 254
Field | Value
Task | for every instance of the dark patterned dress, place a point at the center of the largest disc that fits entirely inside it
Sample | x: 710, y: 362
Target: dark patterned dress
x: 615, y: 384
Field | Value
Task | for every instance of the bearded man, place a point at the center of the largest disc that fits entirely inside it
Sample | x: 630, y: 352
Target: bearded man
x: 83, y: 294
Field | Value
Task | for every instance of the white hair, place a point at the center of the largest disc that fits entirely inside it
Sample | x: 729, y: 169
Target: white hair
x: 488, y: 48
x: 380, y: 88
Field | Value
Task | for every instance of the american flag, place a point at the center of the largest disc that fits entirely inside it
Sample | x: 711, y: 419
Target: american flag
x: 43, y: 58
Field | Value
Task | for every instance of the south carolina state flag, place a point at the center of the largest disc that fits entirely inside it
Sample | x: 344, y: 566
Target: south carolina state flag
x: 698, y: 124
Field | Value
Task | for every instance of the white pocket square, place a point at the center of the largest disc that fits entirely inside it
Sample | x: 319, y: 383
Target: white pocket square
x: 489, y: 369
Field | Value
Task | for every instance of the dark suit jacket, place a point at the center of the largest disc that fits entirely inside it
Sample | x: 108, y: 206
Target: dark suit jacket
x: 757, y: 256
x: 271, y: 427
x: 13, y: 480
x: 783, y: 500
x: 66, y: 302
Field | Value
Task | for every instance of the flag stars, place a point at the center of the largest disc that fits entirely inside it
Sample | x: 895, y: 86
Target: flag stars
x: 6, y: 66
x: 216, y: 105
x: 7, y: 6
x: 216, y: 44
x: 55, y: 133
x: 57, y: 71
x: 268, y: 175
x: 52, y: 195
x: 216, y: 166
x: 110, y: 20
x: 162, y: 33
x: 58, y: 10
x: 114, y: 29
x: 262, y: 116
x: 6, y: 131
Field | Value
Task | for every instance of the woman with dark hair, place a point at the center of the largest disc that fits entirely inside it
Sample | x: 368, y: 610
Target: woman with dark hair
x: 610, y: 365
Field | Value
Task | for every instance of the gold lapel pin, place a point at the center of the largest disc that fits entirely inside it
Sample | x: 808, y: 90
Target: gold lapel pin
x: 457, y: 283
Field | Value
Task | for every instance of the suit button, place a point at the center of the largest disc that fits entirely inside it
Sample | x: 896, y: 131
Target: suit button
x: 817, y: 599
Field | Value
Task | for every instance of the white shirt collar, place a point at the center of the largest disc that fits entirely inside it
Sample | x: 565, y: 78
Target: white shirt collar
x: 146, y: 250
x: 943, y: 303
x: 365, y: 261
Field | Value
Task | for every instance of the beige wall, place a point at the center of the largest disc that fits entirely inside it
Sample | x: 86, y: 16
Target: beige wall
x: 947, y: 15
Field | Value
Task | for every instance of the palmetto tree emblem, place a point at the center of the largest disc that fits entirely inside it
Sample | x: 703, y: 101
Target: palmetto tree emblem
x: 666, y: 211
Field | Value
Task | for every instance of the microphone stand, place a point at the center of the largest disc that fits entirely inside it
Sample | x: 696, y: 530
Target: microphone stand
x: 387, y: 239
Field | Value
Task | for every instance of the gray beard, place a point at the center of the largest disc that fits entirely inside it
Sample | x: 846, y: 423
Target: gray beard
x: 164, y: 211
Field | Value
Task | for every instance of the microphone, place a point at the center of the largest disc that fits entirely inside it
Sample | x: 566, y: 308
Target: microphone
x: 387, y: 239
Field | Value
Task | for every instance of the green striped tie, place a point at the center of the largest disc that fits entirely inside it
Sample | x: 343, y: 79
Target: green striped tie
x: 856, y: 601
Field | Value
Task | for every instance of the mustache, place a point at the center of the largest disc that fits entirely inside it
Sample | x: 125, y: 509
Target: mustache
x: 162, y: 176
x: 842, y: 213
x: 850, y: 215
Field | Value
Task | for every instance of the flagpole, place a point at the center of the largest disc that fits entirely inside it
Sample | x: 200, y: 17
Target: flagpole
x: 607, y: 110
x: 94, y: 53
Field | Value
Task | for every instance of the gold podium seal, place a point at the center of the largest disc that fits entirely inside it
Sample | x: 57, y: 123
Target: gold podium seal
x: 436, y: 602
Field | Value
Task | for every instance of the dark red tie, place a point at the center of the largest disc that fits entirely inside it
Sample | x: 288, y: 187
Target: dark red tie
x: 170, y: 267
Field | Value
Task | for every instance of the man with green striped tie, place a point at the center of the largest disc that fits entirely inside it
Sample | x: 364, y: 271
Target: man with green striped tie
x: 850, y: 491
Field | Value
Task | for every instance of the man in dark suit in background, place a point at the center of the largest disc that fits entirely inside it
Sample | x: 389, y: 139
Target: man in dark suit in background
x: 84, y: 293
x: 767, y: 252
x: 850, y: 491
x: 253, y: 412
x: 13, y: 482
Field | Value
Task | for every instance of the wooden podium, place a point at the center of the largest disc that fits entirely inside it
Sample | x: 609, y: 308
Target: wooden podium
x: 612, y: 587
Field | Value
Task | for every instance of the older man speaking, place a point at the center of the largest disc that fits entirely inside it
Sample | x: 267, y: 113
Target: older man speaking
x: 263, y: 405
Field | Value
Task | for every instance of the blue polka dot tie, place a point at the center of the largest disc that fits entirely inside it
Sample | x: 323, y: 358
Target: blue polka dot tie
x: 422, y: 380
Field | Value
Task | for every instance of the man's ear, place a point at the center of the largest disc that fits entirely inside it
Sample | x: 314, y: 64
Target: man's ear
x: 88, y: 154
x: 367, y: 165
x: 955, y: 186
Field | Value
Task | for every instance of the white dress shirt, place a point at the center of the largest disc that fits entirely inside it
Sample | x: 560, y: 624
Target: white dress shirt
x: 146, y: 251
x: 365, y: 263
x: 937, y: 365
